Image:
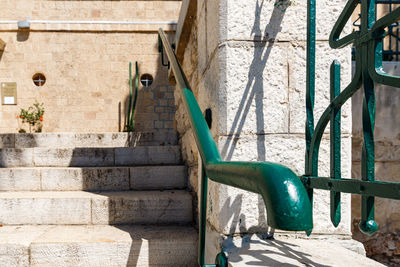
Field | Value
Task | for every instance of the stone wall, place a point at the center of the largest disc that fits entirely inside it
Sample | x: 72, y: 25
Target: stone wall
x: 384, y: 245
x: 86, y: 65
x: 246, y: 61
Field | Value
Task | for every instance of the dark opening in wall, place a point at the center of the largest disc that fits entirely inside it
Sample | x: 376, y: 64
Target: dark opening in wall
x: 146, y: 80
x: 39, y: 79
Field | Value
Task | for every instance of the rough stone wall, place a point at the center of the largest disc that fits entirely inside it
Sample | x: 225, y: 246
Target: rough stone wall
x: 384, y: 245
x: 86, y: 66
x: 188, y: 146
x: 251, y: 72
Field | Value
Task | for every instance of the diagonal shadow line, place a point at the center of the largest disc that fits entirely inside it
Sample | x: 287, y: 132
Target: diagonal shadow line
x: 255, y: 80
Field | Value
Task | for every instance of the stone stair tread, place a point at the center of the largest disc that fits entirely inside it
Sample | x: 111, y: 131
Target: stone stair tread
x: 106, y: 139
x: 97, y: 245
x: 92, y: 178
x: 80, y: 207
x: 85, y: 194
x: 90, y: 157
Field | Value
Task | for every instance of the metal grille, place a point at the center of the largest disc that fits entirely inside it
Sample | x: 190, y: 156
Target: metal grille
x: 391, y: 42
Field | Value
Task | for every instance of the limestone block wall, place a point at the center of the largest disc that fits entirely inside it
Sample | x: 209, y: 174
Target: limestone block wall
x: 246, y: 61
x: 383, y: 246
x: 86, y: 65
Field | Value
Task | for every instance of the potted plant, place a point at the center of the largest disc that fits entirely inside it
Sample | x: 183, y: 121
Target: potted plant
x: 33, y: 116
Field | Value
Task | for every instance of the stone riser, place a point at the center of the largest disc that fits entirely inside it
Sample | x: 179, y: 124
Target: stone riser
x: 52, y: 140
x: 89, y: 157
x: 77, y: 207
x: 97, y: 246
x: 93, y: 178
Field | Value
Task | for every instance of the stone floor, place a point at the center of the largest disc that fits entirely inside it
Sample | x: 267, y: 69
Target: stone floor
x: 289, y: 251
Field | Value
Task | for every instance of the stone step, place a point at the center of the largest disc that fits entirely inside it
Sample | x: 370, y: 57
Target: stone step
x: 97, y: 246
x: 53, y: 140
x: 90, y: 157
x: 92, y: 178
x: 79, y: 207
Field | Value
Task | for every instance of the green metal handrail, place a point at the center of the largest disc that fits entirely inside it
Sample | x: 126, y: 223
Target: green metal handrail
x: 285, y: 197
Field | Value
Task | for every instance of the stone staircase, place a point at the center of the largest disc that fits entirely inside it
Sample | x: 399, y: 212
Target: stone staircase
x: 110, y: 199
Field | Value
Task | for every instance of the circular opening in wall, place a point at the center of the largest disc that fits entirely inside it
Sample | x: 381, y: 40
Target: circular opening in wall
x: 39, y: 79
x: 146, y: 80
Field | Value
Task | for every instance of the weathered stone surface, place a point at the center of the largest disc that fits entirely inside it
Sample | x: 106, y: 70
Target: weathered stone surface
x: 125, y: 139
x: 162, y: 177
x: 297, y: 84
x: 15, y: 242
x: 100, y: 178
x: 142, y: 207
x: 93, y: 178
x: 7, y: 140
x: 385, y: 150
x: 255, y: 251
x: 14, y: 157
x: 78, y: 207
x: 24, y: 140
x: 147, y: 155
x: 14, y: 179
x: 256, y: 89
x: 45, y: 208
x: 67, y: 140
x: 283, y: 20
x: 97, y: 246
x: 76, y: 157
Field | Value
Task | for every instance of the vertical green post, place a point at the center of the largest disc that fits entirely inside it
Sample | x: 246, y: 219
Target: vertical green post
x: 310, y: 79
x: 368, y: 224
x: 310, y: 90
x: 335, y: 142
x: 130, y: 98
x: 203, y: 216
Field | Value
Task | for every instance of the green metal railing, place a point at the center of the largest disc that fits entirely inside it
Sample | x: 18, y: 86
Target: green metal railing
x: 391, y: 42
x: 288, y: 198
x: 369, y: 70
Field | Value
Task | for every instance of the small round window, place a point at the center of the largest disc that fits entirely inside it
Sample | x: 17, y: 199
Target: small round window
x: 146, y: 80
x: 39, y: 79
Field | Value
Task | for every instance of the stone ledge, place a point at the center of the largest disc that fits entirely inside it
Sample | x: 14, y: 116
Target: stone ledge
x: 254, y: 251
x: 93, y: 27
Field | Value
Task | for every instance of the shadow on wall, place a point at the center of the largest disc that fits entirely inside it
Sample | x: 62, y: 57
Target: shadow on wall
x: 254, y: 91
x: 22, y: 35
